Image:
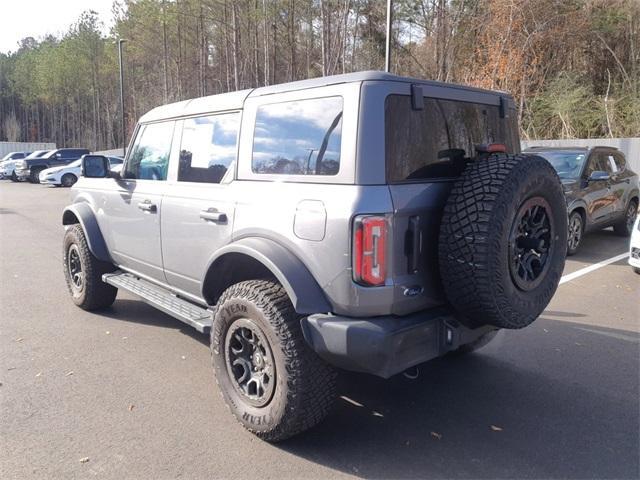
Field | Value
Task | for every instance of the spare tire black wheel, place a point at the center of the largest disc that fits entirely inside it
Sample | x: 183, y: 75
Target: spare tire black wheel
x: 503, y: 240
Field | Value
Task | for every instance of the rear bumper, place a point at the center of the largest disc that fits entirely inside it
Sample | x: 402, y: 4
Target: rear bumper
x: 634, y: 257
x: 385, y: 346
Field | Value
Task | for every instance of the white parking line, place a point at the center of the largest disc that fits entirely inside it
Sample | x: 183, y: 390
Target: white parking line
x: 591, y: 268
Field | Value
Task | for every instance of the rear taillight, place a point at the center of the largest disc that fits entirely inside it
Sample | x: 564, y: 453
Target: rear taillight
x: 369, y: 250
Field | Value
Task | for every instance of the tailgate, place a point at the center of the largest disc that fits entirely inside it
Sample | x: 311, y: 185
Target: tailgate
x: 417, y: 210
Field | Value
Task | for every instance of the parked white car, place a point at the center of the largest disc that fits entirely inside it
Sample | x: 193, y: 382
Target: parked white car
x: 8, y: 166
x: 634, y: 248
x: 67, y: 175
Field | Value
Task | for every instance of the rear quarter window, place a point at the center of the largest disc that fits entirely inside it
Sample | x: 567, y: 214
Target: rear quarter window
x: 431, y: 143
x: 301, y: 137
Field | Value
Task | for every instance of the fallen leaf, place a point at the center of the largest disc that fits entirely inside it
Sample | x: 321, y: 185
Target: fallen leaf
x: 19, y: 339
x: 579, y: 344
x: 496, y: 429
x: 84, y: 459
x: 407, y: 443
x: 69, y: 374
x: 11, y: 368
x: 38, y: 374
x: 124, y: 338
x: 183, y: 357
x: 131, y: 407
x: 436, y: 435
x: 545, y: 330
x: 108, y: 332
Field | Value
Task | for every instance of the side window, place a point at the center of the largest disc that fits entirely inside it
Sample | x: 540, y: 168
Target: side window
x: 208, y: 147
x: 149, y: 158
x: 298, y: 137
x: 597, y: 162
x: 620, y: 162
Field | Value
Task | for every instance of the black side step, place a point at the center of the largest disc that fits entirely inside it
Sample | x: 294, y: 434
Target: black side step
x: 187, y: 312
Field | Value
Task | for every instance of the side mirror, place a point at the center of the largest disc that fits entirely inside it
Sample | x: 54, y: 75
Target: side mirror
x: 598, y: 176
x: 95, y: 166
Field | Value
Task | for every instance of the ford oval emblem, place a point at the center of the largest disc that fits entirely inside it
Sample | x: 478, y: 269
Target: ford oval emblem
x: 413, y: 291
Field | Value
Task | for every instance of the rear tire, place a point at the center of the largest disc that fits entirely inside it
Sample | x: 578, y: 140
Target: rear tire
x: 270, y: 379
x: 68, y: 179
x: 34, y: 177
x: 624, y: 227
x: 83, y: 272
x: 503, y: 240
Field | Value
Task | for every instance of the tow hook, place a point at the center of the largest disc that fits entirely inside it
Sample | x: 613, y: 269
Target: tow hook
x: 411, y: 373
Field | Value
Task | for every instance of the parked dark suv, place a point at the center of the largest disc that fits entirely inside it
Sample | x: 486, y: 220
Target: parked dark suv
x: 29, y: 169
x: 601, y: 190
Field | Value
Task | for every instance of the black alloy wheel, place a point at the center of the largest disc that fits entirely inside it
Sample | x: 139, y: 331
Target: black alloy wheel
x: 530, y: 243
x: 250, y: 362
x: 574, y: 236
x: 74, y: 267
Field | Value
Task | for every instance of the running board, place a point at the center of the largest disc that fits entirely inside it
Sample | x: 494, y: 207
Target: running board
x: 162, y: 299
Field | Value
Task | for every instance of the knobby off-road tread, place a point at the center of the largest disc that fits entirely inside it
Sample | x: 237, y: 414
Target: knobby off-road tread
x: 311, y: 383
x: 473, y: 243
x: 96, y: 293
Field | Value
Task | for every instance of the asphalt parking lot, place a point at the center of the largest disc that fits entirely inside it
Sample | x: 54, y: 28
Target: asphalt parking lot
x: 128, y: 392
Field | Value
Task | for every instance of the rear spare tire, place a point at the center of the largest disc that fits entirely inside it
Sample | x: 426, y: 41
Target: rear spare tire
x: 503, y: 240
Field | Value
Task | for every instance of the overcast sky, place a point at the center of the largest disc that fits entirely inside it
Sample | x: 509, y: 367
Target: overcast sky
x: 37, y: 18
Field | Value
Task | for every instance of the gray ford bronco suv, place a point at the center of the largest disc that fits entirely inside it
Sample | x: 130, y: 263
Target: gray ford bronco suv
x: 365, y: 222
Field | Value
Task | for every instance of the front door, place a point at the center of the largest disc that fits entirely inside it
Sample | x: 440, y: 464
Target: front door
x: 133, y: 210
x: 198, y: 210
x: 598, y: 192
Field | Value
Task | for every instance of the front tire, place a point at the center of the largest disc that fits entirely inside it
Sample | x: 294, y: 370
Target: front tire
x: 68, y: 179
x: 576, y: 230
x: 14, y: 177
x: 270, y: 379
x: 83, y: 272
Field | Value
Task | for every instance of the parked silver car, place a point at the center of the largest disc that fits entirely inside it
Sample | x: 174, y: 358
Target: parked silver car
x: 367, y: 222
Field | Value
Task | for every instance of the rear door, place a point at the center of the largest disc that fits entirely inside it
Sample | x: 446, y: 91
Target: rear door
x: 133, y: 209
x: 425, y: 151
x: 198, y: 209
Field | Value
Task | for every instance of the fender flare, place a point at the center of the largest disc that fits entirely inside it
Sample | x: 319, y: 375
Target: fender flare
x: 306, y: 295
x: 87, y: 220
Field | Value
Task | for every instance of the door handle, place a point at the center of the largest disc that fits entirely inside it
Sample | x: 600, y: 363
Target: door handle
x: 213, y: 215
x: 147, y: 206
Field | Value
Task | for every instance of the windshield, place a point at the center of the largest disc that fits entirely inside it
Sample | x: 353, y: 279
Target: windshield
x: 37, y: 154
x: 567, y: 164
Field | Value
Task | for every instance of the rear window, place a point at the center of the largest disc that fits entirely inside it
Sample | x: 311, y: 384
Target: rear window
x: 299, y: 137
x: 431, y: 143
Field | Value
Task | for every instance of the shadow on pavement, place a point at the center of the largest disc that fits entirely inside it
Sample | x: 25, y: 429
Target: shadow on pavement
x: 565, y: 401
x: 137, y: 311
x: 600, y: 245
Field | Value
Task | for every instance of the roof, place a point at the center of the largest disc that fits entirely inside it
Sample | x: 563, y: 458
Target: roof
x: 568, y: 148
x: 235, y: 100
x: 211, y: 103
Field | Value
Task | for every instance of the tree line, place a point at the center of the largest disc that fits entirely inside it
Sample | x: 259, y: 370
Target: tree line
x: 572, y: 65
